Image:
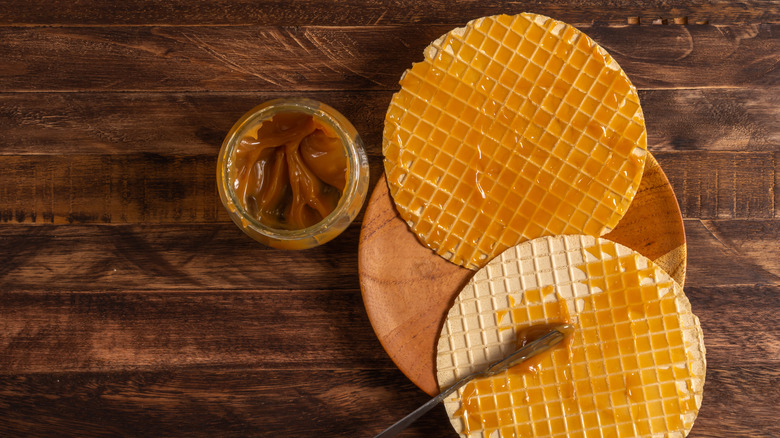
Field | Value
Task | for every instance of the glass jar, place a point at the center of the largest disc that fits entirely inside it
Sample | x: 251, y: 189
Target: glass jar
x: 352, y: 197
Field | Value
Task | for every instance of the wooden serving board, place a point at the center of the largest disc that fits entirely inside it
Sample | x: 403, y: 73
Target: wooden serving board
x: 408, y: 289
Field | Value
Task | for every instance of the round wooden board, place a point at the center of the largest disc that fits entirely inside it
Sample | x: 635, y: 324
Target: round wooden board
x: 408, y: 289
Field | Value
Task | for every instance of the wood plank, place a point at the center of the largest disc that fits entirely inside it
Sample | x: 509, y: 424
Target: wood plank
x: 728, y: 316
x: 723, y: 185
x: 158, y: 189
x: 180, y: 257
x: 160, y: 123
x: 173, y: 257
x: 211, y: 402
x: 250, y: 58
x: 116, y: 189
x: 713, y: 119
x: 739, y: 399
x: 109, y: 189
x: 679, y: 56
x: 738, y: 252
x: 723, y: 119
x: 355, y: 12
x: 247, y: 58
x: 58, y: 330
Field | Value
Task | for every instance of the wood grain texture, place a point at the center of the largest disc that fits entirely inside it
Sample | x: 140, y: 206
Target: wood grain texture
x: 362, y: 392
x: 248, y: 402
x: 110, y: 189
x: 733, y: 185
x: 204, y: 402
x: 740, y: 401
x: 49, y: 330
x: 216, y: 257
x: 248, y: 58
x: 165, y: 124
x: 355, y: 12
x: 213, y: 402
x: 407, y: 289
x: 180, y: 189
x: 739, y: 252
x: 172, y: 257
x: 713, y: 119
x: 116, y: 189
x: 740, y: 391
x: 741, y: 306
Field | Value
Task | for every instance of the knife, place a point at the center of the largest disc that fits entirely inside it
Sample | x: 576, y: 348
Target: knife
x: 531, y: 349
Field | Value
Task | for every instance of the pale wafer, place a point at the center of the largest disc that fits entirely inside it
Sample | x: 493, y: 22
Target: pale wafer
x: 511, y: 128
x: 635, y: 365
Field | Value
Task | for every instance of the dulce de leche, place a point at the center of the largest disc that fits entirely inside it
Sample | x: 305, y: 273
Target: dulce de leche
x: 291, y: 172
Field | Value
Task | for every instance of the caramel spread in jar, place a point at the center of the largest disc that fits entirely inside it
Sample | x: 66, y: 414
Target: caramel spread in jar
x: 290, y: 172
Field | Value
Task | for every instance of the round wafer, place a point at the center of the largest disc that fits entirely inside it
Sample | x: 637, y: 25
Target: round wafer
x: 511, y: 128
x: 634, y: 366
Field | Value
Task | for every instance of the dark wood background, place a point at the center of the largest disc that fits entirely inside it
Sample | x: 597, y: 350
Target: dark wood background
x: 131, y: 305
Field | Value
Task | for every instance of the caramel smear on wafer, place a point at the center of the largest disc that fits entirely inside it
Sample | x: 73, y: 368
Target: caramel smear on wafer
x: 474, y: 412
x: 513, y: 127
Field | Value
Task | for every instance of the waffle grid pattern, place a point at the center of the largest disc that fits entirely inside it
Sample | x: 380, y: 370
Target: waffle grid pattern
x: 663, y: 353
x: 483, y: 151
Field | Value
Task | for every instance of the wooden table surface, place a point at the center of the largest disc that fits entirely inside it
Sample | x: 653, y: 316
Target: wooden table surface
x: 129, y: 303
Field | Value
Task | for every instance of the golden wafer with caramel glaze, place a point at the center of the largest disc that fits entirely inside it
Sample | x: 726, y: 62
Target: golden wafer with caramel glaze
x: 511, y: 128
x: 634, y: 366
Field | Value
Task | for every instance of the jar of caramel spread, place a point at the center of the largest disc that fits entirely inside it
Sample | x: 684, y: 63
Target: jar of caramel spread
x: 292, y: 173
